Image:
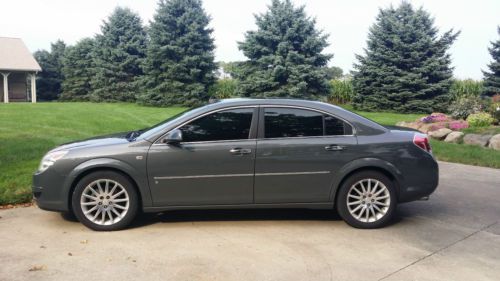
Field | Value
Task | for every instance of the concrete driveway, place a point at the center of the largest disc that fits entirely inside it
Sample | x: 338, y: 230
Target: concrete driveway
x: 454, y: 236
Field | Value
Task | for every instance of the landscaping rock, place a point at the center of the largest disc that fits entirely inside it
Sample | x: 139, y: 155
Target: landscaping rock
x: 475, y: 139
x: 425, y: 128
x: 454, y: 137
x: 495, y: 142
x: 440, y: 133
x: 413, y: 125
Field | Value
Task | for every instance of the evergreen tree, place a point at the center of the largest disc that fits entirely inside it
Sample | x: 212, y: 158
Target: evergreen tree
x: 406, y: 67
x: 284, y: 55
x: 492, y: 77
x: 50, y: 78
x: 78, y: 70
x: 119, y: 53
x: 180, y: 67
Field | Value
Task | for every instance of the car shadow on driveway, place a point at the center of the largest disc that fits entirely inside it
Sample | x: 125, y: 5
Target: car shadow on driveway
x: 145, y: 219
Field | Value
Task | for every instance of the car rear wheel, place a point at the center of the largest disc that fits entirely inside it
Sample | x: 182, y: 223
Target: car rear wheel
x: 105, y: 201
x: 367, y: 200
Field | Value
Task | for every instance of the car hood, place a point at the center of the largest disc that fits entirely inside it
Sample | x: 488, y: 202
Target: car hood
x: 117, y: 138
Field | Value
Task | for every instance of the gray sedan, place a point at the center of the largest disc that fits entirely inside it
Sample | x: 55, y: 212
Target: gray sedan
x: 241, y: 153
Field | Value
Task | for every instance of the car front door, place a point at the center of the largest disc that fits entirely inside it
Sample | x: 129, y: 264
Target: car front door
x: 212, y: 165
x: 298, y: 153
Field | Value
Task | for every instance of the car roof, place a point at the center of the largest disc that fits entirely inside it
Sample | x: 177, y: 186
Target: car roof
x: 362, y: 125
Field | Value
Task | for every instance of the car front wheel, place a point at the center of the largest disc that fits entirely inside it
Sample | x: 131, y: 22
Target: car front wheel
x: 367, y: 200
x: 105, y: 201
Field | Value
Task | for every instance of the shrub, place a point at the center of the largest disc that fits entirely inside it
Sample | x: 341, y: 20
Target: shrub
x: 481, y: 119
x: 466, y: 88
x: 341, y: 91
x: 435, y: 117
x: 494, y: 108
x: 465, y: 106
x: 223, y: 89
x: 457, y: 125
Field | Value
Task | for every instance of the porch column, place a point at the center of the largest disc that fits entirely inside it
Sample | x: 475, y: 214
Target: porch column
x: 5, y: 87
x: 33, y: 87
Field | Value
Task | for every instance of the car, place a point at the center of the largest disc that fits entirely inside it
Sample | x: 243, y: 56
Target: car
x: 241, y: 153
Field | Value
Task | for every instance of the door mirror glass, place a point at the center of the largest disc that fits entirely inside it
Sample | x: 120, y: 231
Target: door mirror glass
x: 172, y: 137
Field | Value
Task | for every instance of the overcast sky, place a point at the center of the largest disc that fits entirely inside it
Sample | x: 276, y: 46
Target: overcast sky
x: 346, y: 21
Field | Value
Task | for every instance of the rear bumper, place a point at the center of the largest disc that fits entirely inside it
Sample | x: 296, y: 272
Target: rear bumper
x: 48, y: 191
x: 421, y: 182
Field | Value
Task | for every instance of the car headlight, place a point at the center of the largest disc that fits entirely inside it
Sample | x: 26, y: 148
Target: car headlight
x: 50, y: 158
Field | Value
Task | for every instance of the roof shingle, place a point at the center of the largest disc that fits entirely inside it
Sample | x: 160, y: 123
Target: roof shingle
x: 15, y: 56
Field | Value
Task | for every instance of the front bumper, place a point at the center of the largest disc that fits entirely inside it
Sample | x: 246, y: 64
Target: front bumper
x: 48, y: 191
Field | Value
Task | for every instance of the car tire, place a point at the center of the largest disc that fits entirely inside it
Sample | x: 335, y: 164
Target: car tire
x: 105, y: 201
x: 367, y: 199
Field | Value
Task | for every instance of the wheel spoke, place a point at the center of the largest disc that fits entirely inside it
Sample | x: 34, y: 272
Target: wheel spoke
x: 354, y: 203
x: 99, y: 187
x: 354, y: 196
x: 120, y: 207
x: 89, y: 197
x: 381, y: 204
x: 93, y: 190
x: 118, y: 194
x: 369, y: 186
x: 90, y: 203
x: 90, y: 210
x: 378, y: 209
x: 116, y: 212
x: 120, y: 200
x: 113, y: 189
x: 373, y: 212
x: 106, y: 187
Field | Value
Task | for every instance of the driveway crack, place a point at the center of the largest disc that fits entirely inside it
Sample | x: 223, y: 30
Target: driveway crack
x: 439, y: 250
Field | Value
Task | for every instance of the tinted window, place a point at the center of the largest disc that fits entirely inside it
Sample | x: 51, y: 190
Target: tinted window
x: 335, y: 127
x: 231, y: 124
x: 291, y: 122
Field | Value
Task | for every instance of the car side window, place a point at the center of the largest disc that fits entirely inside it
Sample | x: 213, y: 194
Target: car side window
x: 336, y: 127
x: 232, y: 124
x: 294, y: 122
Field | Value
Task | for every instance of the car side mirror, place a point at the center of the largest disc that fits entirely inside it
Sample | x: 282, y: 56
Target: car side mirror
x: 173, y: 137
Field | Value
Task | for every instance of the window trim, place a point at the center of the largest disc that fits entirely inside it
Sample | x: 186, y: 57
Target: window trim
x: 261, y: 131
x: 251, y: 136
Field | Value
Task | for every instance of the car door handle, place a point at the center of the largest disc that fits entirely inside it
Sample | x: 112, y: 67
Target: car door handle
x: 240, y: 151
x: 334, y: 147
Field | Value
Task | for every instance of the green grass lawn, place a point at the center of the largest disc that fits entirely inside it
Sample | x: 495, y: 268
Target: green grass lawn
x: 27, y: 131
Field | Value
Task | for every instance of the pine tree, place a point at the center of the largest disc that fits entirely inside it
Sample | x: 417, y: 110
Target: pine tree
x: 78, y: 70
x: 50, y: 79
x: 492, y: 77
x: 406, y: 67
x: 284, y: 55
x: 119, y: 53
x: 180, y: 67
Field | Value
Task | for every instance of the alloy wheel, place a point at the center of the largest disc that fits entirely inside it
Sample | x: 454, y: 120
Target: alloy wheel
x: 368, y: 200
x: 104, y: 202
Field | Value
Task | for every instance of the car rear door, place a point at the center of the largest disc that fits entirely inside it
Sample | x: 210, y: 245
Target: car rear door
x: 298, y: 153
x: 213, y: 165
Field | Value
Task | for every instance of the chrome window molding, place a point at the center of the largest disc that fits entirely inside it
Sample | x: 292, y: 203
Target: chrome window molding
x: 157, y: 142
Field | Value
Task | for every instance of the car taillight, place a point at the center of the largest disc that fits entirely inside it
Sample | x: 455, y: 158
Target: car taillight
x: 422, y: 141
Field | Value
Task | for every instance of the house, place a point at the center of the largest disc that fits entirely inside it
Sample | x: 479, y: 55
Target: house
x: 18, y: 69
